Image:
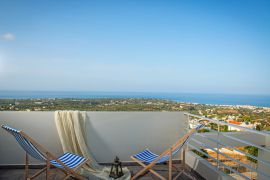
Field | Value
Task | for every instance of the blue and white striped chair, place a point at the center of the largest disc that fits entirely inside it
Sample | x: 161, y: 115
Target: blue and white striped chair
x: 147, y: 159
x: 68, y: 163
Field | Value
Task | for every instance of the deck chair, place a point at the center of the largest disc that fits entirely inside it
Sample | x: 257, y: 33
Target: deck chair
x: 147, y: 159
x: 68, y: 163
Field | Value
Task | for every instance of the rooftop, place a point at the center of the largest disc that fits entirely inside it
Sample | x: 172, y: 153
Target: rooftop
x: 213, y: 153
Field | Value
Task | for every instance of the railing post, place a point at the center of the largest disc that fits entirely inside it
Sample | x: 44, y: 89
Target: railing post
x: 184, y: 158
x: 26, y: 166
x: 170, y: 165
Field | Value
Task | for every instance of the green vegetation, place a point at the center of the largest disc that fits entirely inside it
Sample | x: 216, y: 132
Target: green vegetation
x: 249, y: 114
x: 253, y: 151
x: 200, y: 154
x: 203, y: 131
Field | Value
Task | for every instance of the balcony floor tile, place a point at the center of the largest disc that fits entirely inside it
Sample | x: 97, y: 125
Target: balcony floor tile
x: 18, y: 174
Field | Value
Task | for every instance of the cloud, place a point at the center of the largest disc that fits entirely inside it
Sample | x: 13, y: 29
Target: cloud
x: 8, y: 37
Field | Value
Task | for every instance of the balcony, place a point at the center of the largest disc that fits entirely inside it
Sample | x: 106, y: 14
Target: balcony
x: 122, y: 134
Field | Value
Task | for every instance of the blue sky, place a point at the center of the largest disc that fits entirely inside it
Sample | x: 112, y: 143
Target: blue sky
x: 136, y: 46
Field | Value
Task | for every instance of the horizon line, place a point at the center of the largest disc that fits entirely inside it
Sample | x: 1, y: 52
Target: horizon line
x: 162, y: 92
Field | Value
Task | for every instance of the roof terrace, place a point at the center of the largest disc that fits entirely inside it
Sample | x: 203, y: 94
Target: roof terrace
x: 212, y: 153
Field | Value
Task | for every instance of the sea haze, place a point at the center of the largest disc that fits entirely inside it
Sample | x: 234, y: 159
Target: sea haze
x: 221, y: 99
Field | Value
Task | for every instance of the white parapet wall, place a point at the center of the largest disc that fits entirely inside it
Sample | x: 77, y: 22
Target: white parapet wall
x: 108, y: 133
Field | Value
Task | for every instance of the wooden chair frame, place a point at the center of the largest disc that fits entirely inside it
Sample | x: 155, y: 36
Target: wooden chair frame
x: 49, y: 156
x: 148, y: 167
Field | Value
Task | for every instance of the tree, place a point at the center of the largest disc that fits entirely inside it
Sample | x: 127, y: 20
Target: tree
x: 258, y: 127
x: 246, y: 118
x: 253, y: 151
x: 226, y: 129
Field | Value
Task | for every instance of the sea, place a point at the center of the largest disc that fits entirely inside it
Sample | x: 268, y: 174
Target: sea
x: 213, y: 99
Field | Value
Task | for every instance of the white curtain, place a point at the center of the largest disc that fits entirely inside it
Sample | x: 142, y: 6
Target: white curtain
x: 71, y: 130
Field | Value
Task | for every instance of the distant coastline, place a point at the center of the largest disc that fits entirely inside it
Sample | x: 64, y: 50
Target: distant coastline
x: 210, y: 99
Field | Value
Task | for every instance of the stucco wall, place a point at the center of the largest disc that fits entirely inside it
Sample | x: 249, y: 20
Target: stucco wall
x: 108, y: 133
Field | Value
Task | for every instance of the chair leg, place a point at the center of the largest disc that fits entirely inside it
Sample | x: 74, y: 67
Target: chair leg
x: 77, y: 176
x: 66, y: 177
x: 178, y: 175
x: 170, y: 165
x: 38, y: 173
x: 150, y: 170
x: 26, y: 166
x: 184, y: 158
x: 47, y: 172
x: 47, y: 169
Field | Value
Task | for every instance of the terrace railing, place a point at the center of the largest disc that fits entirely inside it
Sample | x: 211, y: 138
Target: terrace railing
x: 218, y: 139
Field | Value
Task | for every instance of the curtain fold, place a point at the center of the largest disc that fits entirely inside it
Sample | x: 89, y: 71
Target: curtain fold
x: 70, y: 126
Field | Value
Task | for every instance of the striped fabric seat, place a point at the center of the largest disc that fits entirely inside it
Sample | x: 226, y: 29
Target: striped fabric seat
x: 147, y: 159
x: 69, y: 163
x: 148, y: 156
x: 69, y: 159
x: 25, y: 143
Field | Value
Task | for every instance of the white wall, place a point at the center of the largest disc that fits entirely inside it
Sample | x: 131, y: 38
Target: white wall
x: 108, y: 133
